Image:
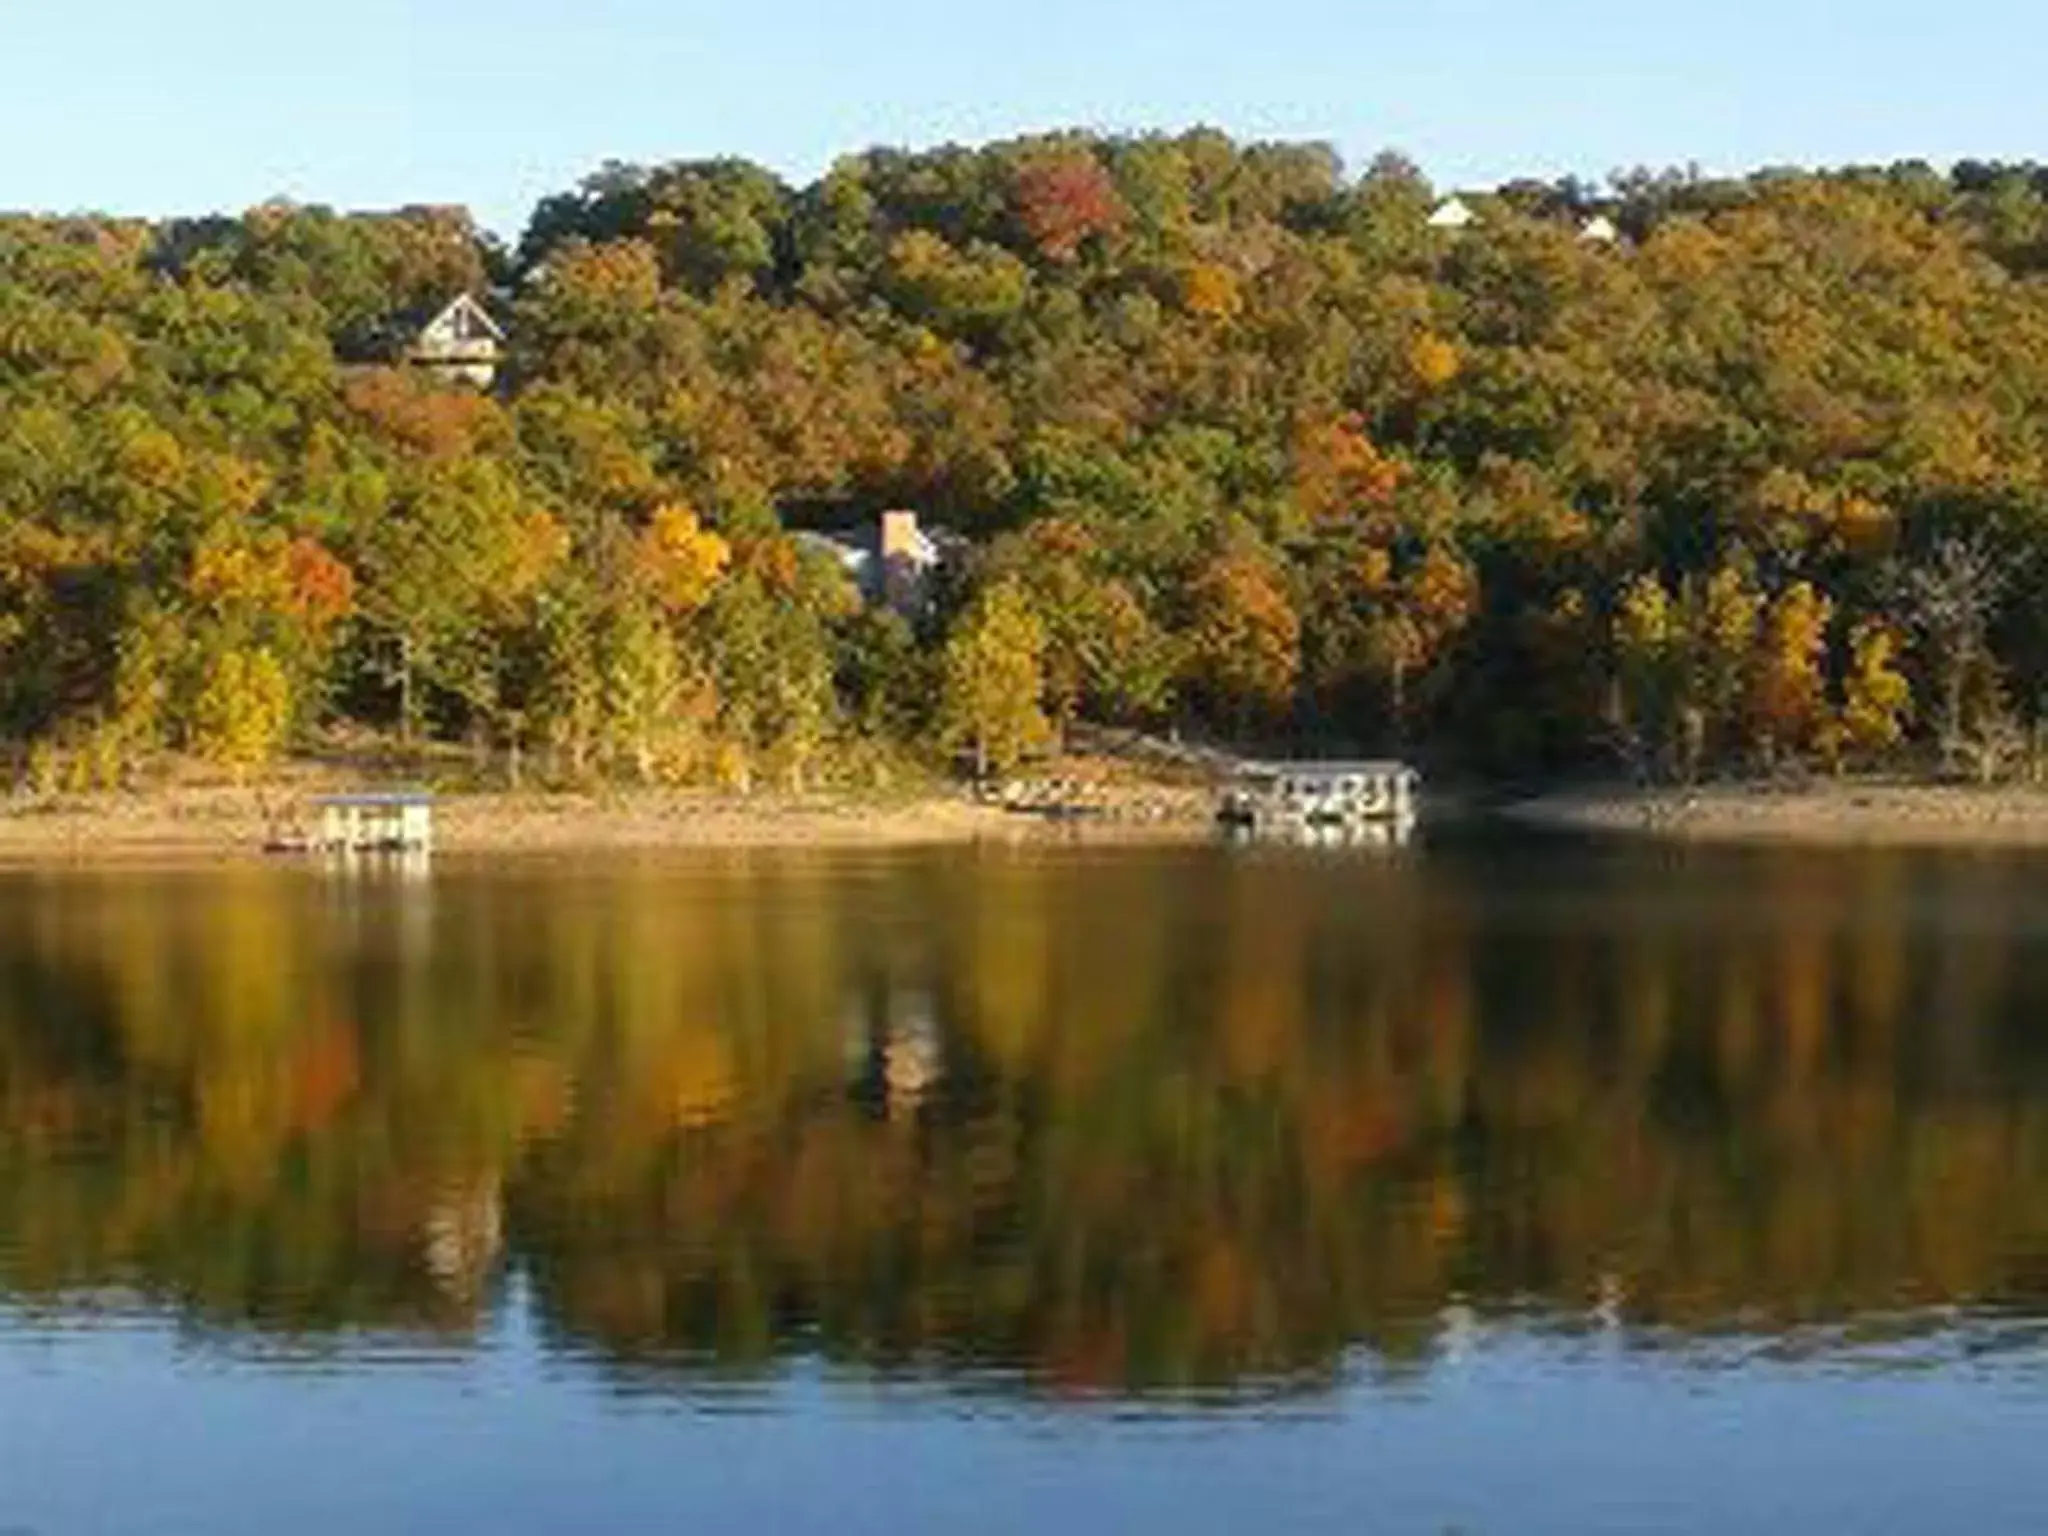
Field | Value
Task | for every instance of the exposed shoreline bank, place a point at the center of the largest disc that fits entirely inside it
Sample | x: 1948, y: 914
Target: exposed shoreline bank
x: 1852, y: 812
x: 221, y: 823
x: 224, y: 823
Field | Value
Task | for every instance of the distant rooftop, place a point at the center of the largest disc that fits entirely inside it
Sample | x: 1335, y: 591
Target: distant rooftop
x: 1452, y: 213
x: 1329, y: 768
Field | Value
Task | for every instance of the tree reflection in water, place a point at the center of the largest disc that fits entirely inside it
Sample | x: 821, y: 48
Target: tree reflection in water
x: 1191, y: 1120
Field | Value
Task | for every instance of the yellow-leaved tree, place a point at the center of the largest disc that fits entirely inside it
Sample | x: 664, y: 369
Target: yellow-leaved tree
x: 1432, y: 361
x: 995, y: 682
x: 1876, y: 697
x: 681, y: 559
x: 1788, y: 689
x: 242, y: 712
x: 1211, y: 290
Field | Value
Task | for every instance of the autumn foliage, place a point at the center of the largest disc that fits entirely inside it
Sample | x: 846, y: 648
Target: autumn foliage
x: 1063, y: 198
x: 1256, y: 450
x: 682, y: 560
x: 1339, y: 473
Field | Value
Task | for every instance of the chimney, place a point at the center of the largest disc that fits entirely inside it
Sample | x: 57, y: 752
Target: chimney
x: 899, y: 534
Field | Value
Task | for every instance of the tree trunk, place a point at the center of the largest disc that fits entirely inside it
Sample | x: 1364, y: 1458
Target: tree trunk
x: 405, y: 701
x: 1952, y: 710
x: 1400, y: 702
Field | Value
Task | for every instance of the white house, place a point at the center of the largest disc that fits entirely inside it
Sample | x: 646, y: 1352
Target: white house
x: 461, y: 343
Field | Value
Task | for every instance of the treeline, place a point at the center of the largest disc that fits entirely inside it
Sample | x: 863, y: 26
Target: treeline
x: 1242, y: 443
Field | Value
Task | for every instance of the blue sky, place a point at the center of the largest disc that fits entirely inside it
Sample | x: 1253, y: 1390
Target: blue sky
x: 139, y: 106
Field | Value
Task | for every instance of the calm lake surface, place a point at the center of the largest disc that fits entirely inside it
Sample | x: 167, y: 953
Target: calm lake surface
x: 1482, y: 1186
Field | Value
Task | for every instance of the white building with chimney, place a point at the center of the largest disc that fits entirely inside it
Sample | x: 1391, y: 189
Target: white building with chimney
x: 892, y: 560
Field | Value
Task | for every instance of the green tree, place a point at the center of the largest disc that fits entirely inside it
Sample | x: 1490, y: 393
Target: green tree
x: 1649, y: 660
x: 644, y: 691
x: 1104, y: 655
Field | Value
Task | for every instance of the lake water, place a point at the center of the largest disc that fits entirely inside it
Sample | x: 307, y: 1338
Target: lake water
x: 1477, y: 1186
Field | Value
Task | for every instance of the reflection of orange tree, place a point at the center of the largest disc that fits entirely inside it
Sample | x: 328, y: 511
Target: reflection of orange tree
x: 1181, y: 1121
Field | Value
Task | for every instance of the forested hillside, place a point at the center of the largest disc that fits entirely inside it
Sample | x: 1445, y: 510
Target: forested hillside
x: 1241, y: 441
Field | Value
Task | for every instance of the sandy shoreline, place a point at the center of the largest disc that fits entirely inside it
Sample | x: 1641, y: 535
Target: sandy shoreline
x: 223, y: 823
x: 219, y: 823
x: 1851, y: 812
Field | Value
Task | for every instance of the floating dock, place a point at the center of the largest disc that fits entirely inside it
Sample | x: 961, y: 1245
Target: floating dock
x: 392, y: 822
x: 1319, y: 796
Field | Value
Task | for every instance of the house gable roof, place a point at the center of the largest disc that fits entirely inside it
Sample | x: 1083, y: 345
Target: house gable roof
x: 463, y: 320
x: 1452, y: 213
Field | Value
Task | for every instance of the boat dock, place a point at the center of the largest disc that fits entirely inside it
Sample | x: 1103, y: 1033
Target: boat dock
x: 390, y: 822
x: 1319, y: 796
